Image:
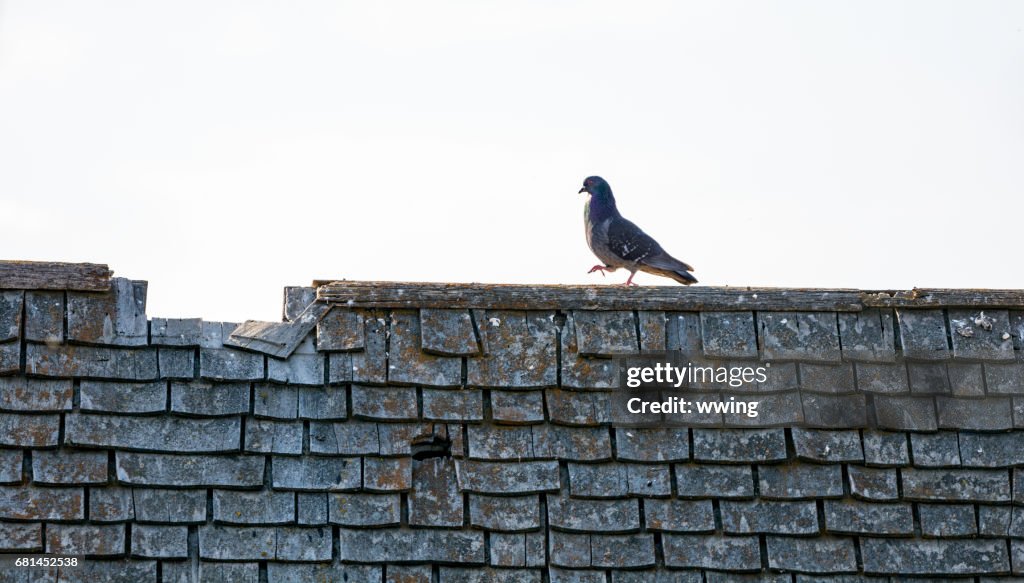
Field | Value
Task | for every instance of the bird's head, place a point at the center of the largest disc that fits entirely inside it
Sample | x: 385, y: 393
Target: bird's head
x: 595, y: 185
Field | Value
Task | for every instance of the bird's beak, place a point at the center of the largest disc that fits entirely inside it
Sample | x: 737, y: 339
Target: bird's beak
x: 582, y: 190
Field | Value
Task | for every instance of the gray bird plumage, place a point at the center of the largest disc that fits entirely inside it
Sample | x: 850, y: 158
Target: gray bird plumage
x: 617, y: 242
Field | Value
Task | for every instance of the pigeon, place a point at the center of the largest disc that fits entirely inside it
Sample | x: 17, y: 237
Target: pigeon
x: 619, y: 243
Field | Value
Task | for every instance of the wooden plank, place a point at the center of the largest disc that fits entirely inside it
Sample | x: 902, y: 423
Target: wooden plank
x: 278, y: 339
x: 390, y: 294
x: 51, y: 275
x: 945, y: 298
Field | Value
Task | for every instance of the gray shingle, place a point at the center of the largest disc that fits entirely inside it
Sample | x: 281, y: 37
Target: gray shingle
x: 21, y: 537
x: 111, y: 504
x: 992, y: 450
x: 507, y: 477
x: 10, y: 466
x: 176, y: 331
x: 657, y: 576
x: 210, y: 399
x: 504, y: 513
x: 578, y: 408
x: 834, y: 411
x: 349, y: 438
x: 387, y: 474
x: 300, y: 572
x: 882, y: 378
x: 572, y: 443
x: 359, y: 509
x: 652, y: 445
x: 557, y: 575
x: 873, y: 483
x: 947, y: 520
x: 117, y: 571
x: 765, y: 516
x: 237, y: 543
x: 63, y: 467
x: 517, y: 406
x: 818, y: 555
x: 85, y: 539
x: 419, y: 574
x: 800, y: 481
x: 799, y: 335
x: 928, y: 378
x: 855, y: 517
x: 990, y: 414
x: 653, y: 330
x: 827, y: 378
x: 384, y: 403
x: 709, y: 481
x: 883, y: 448
x: 868, y: 335
x: 569, y: 549
x: 266, y: 436
x: 227, y: 364
x: 34, y: 503
x: 295, y: 543
x: 739, y: 445
x: 935, y: 450
x: 966, y: 379
x: 200, y: 571
x: 153, y: 433
x: 159, y: 541
x: 956, y: 485
x: 519, y: 350
x: 263, y: 507
x: 341, y: 330
x: 828, y: 446
x: 317, y: 473
x: 649, y: 480
x: 177, y: 363
x: 582, y: 372
x: 435, y: 499
x: 934, y: 557
x: 117, y: 317
x: 605, y: 333
x: 109, y: 397
x: 734, y: 553
x: 311, y: 508
x: 408, y: 364
x: 679, y: 515
x: 404, y: 545
x: 1004, y: 378
x: 510, y: 549
x: 463, y: 575
x: 598, y: 480
x: 44, y: 316
x: 923, y: 334
x: 453, y: 404
x: 622, y: 551
x: 994, y: 520
x: 490, y: 442
x: 728, y: 334
x: 27, y: 394
x: 905, y: 413
x: 609, y: 516
x: 448, y: 332
x: 10, y: 358
x: 298, y: 369
x: 91, y: 362
x: 178, y: 506
x: 25, y: 430
x: 323, y: 402
x: 11, y: 303
x: 154, y: 469
x: 276, y: 401
x: 979, y: 334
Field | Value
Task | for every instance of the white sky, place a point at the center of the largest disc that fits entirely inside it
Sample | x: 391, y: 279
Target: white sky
x: 223, y: 150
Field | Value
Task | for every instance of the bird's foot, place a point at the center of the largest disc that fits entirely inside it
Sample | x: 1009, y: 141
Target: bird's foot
x: 600, y: 268
x: 629, y: 282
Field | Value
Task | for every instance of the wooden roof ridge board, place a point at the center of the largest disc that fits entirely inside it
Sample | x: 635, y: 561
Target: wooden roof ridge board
x: 51, y: 275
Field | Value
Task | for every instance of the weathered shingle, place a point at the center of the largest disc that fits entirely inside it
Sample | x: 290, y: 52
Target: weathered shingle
x: 923, y: 334
x: 405, y: 545
x: 153, y: 434
x: 935, y: 557
x: 519, y: 350
x: 505, y: 513
x: 117, y: 317
x: 153, y: 469
x: 234, y: 507
x: 409, y: 364
x: 448, y: 332
x: 111, y: 397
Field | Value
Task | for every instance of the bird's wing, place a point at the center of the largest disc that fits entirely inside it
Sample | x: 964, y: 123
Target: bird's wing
x: 629, y: 242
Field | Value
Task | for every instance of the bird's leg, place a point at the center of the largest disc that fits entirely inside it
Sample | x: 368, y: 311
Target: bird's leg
x: 630, y: 280
x: 600, y: 268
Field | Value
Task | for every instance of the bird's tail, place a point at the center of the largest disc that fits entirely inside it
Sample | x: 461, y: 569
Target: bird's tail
x: 683, y: 277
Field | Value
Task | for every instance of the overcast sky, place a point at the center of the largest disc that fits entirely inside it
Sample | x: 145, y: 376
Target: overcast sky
x: 223, y: 150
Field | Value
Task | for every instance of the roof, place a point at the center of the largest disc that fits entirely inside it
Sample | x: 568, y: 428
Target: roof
x: 412, y: 442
